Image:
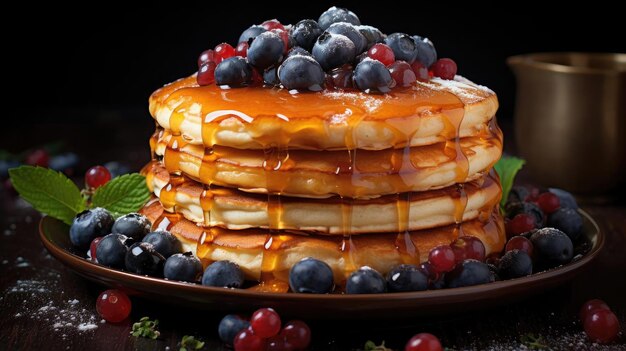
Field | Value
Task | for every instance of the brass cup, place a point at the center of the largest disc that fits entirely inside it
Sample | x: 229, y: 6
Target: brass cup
x: 570, y: 119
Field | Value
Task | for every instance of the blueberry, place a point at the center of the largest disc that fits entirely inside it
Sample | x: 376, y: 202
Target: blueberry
x: 403, y: 46
x: 132, y: 225
x: 406, y: 277
x: 164, y: 242
x: 515, y: 264
x: 337, y: 14
x: 311, y: 276
x: 518, y: 193
x: 90, y: 224
x: 426, y: 53
x: 365, y: 280
x: 143, y: 259
x: 305, y: 33
x: 296, y: 50
x: 514, y: 208
x: 333, y: 50
x: 438, y: 284
x: 117, y: 168
x: 566, y: 199
x: 372, y: 34
x: 230, y: 326
x: 350, y: 31
x: 270, y: 76
x: 372, y: 76
x: 223, y: 274
x: 302, y: 73
x: 111, y: 250
x: 467, y: 273
x: 233, y: 71
x: 266, y: 50
x: 552, y: 247
x: 64, y: 162
x: 251, y: 33
x: 568, y: 220
x: 494, y: 272
x: 185, y: 267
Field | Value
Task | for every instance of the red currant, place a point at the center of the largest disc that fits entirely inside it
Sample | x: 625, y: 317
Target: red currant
x: 265, y: 322
x: 93, y: 246
x: 548, y: 202
x: 402, y: 73
x: 520, y: 243
x: 340, y: 77
x: 444, y: 68
x: 206, y: 56
x: 278, y: 343
x: 223, y: 51
x: 38, y: 157
x: 601, y: 326
x: 97, y: 176
x: 272, y: 24
x: 421, y: 72
x: 442, y: 258
x: 297, y: 334
x: 242, y: 49
x: 113, y: 305
x: 284, y: 36
x: 520, y: 224
x: 466, y: 247
x: 206, y: 74
x: 246, y: 340
x: 592, y: 306
x: 423, y: 342
x: 382, y: 53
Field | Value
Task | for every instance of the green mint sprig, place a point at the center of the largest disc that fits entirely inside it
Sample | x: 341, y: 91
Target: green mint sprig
x: 507, y: 167
x: 189, y: 342
x: 146, y: 328
x: 54, y: 194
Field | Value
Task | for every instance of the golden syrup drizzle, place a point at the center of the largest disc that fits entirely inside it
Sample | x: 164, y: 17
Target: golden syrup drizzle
x: 204, y: 247
x: 172, y: 155
x: 168, y: 192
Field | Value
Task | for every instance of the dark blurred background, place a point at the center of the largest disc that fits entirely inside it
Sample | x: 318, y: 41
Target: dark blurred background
x: 88, y: 72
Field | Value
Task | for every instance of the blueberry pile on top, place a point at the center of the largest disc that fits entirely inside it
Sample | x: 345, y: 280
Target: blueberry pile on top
x: 334, y: 52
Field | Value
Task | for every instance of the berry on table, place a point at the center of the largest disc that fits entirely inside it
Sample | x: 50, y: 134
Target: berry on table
x: 302, y: 73
x: 246, y: 340
x: 311, y: 276
x: 520, y: 243
x: 97, y: 176
x: 223, y: 274
x: 38, y: 157
x: 164, y: 242
x: 265, y: 323
x: 143, y: 259
x: 467, y: 273
x: 250, y: 33
x: 592, y: 306
x: 111, y: 250
x: 426, y: 53
x: 234, y: 72
x: 365, y: 280
x: 548, y: 202
x: 337, y: 14
x: 372, y: 76
x: 406, y: 277
x: 230, y: 326
x: 266, y: 50
x: 113, y: 305
x: 567, y: 220
x: 601, y: 326
x: 205, y: 57
x: 552, y: 247
x: 185, y: 267
x: 305, y: 33
x: 466, y: 247
x: 333, y: 50
x: 223, y: 51
x: 423, y: 342
x: 403, y: 46
x: 442, y: 258
x: 133, y: 225
x: 444, y: 68
x: 515, y: 264
x: 90, y: 224
x: 382, y: 53
x: 350, y: 31
x: 297, y: 334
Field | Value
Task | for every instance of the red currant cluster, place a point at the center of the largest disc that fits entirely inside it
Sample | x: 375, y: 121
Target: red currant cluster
x: 600, y: 323
x: 113, y: 305
x: 444, y: 258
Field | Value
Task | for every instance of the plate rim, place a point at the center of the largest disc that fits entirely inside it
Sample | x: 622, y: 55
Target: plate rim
x: 73, y: 262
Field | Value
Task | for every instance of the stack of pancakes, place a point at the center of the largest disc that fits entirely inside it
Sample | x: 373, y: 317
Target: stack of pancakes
x: 265, y: 177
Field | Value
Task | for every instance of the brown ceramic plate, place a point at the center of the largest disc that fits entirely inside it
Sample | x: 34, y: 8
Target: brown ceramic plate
x: 54, y: 235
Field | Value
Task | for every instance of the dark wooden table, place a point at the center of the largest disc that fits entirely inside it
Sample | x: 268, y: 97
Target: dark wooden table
x: 45, y: 306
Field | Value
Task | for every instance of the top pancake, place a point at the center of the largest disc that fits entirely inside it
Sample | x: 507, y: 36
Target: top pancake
x: 257, y: 118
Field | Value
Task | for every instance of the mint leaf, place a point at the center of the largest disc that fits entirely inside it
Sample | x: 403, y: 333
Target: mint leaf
x: 123, y: 194
x: 49, y: 192
x: 507, y: 167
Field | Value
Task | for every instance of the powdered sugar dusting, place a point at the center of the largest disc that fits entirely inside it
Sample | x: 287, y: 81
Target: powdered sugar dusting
x: 369, y: 103
x: 465, y: 89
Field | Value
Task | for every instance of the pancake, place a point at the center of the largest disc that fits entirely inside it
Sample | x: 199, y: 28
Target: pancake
x: 232, y: 209
x: 354, y: 173
x: 253, y: 118
x: 270, y: 256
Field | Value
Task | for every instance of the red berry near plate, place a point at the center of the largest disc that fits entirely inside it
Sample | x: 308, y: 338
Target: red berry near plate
x: 242, y: 49
x: 97, y: 176
x: 402, y: 73
x: 442, y: 258
x: 205, y: 57
x: 93, y: 248
x: 423, y: 342
x: 519, y: 243
x: 297, y: 334
x: 444, y: 68
x: 223, y: 51
x: 38, y: 157
x: 548, y: 202
x: 520, y: 224
x: 468, y: 247
x: 592, y: 306
x: 421, y: 71
x: 601, y: 326
x: 265, y: 322
x: 382, y: 53
x: 246, y: 340
x: 272, y: 24
x: 206, y: 74
x: 113, y: 305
